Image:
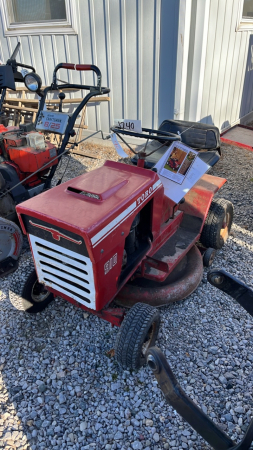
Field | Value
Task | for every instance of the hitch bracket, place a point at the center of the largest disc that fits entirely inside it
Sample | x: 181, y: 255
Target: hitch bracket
x: 178, y: 399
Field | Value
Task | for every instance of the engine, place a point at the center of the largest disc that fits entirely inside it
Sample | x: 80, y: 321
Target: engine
x: 27, y: 152
x: 23, y: 151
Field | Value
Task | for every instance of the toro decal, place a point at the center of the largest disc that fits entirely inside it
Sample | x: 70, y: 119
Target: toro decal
x: 57, y: 235
x: 145, y: 195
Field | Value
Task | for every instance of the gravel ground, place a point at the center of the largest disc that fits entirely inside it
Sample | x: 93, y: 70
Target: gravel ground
x: 59, y: 389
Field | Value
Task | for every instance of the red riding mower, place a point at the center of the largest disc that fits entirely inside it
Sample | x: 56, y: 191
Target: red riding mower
x: 173, y: 163
x: 28, y: 161
x: 172, y: 390
x: 113, y: 234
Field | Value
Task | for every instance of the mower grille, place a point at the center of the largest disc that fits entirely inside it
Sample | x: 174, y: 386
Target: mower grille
x: 64, y: 270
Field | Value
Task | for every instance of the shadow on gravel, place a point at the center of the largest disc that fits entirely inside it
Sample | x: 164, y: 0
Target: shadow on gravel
x: 51, y: 366
x: 236, y: 165
x: 60, y: 390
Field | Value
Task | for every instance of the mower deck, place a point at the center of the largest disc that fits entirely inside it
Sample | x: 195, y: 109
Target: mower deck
x: 180, y: 283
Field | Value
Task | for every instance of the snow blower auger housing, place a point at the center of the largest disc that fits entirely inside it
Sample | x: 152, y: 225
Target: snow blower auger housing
x: 92, y: 234
x: 172, y: 390
x: 28, y: 161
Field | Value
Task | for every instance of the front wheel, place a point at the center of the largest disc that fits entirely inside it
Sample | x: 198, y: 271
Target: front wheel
x: 137, y: 333
x: 26, y: 293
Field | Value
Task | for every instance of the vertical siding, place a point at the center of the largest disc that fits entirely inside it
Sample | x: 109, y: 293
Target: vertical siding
x: 126, y: 39
x: 168, y: 58
x: 246, y: 104
x: 197, y: 58
x: 228, y: 79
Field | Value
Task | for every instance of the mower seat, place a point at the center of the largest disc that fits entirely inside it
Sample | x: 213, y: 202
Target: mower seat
x: 199, y: 136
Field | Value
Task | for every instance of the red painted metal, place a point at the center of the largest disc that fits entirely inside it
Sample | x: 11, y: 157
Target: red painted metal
x: 30, y: 159
x: 83, y: 67
x: 160, y: 266
x: 166, y: 231
x: 68, y: 66
x: 121, y: 187
x: 3, y: 128
x: 141, y: 162
x: 76, y: 66
x: 199, y: 198
x: 169, y: 208
x: 26, y: 160
x: 159, y: 294
x: 116, y: 194
x: 224, y: 137
x: 113, y: 315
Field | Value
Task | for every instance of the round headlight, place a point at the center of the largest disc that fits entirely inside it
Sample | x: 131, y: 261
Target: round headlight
x: 33, y: 82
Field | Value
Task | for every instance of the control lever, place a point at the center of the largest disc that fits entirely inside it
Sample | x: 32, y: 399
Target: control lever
x: 61, y: 97
x: 224, y: 281
x: 177, y: 398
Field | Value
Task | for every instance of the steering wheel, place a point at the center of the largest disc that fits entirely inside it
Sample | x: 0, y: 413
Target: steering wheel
x: 162, y: 136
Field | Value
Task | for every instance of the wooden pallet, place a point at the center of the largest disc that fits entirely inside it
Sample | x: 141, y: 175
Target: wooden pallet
x: 96, y: 154
x: 23, y: 108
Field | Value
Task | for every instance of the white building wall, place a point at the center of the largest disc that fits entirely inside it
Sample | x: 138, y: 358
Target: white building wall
x: 220, y: 78
x: 133, y: 42
x: 160, y: 58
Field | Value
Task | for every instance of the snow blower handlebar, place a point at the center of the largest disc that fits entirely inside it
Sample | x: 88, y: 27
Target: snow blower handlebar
x: 177, y: 398
x: 94, y: 90
x: 79, y: 67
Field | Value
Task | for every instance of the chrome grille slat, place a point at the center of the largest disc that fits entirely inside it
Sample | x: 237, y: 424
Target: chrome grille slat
x: 64, y: 267
x: 62, y: 257
x: 65, y: 275
x: 71, y: 274
x: 51, y: 278
x: 75, y: 297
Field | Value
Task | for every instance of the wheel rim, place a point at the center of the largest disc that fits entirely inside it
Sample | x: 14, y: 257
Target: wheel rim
x: 39, y: 292
x: 148, y: 339
x: 211, y: 259
x: 225, y: 227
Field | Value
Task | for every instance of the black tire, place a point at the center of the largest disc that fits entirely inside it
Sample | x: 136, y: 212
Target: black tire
x: 139, y: 328
x: 218, y: 224
x: 26, y: 293
x: 208, y: 257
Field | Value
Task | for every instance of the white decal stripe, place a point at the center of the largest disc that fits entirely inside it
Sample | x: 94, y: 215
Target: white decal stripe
x: 157, y: 184
x: 103, y: 237
x: 122, y: 216
x: 114, y: 223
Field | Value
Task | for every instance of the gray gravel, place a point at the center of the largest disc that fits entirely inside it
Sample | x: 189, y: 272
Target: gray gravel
x: 60, y: 390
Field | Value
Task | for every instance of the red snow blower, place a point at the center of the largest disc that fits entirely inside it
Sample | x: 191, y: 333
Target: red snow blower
x: 28, y: 161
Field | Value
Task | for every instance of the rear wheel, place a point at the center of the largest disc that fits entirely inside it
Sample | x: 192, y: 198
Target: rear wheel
x: 218, y: 224
x: 26, y: 293
x: 137, y: 333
